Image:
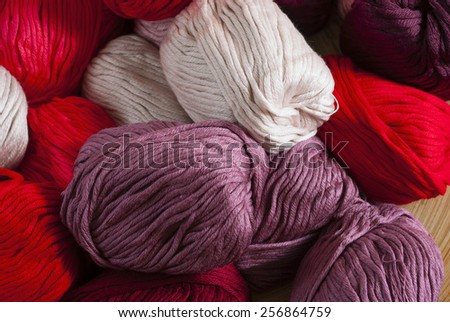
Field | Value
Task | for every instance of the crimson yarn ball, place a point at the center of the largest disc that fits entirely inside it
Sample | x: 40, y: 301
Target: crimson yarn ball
x: 147, y: 9
x: 47, y: 44
x: 379, y: 253
x: 398, y: 147
x: 308, y: 15
x: 58, y: 130
x: 220, y: 285
x: 39, y: 260
x: 406, y: 41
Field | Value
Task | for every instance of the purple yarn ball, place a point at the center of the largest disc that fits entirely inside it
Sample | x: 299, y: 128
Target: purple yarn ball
x: 406, y: 41
x: 373, y: 253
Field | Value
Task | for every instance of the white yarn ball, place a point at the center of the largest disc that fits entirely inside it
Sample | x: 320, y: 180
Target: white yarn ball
x: 153, y: 31
x: 127, y: 80
x: 13, y: 121
x: 244, y: 61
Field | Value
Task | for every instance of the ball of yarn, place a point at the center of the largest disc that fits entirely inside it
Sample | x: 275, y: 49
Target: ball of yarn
x: 13, y: 121
x: 231, y: 202
x: 147, y: 9
x: 153, y: 31
x: 127, y: 80
x: 398, y: 147
x: 39, y: 260
x: 244, y: 61
x: 344, y: 7
x: 377, y: 253
x: 309, y: 15
x: 161, y: 200
x: 47, y: 44
x: 220, y: 285
x: 57, y: 131
x: 406, y: 41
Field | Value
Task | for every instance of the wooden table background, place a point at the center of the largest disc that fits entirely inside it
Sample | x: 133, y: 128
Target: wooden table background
x: 433, y: 213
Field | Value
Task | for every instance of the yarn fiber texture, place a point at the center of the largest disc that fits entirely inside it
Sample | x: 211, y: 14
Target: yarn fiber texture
x: 147, y: 9
x: 126, y: 78
x: 47, y: 44
x: 344, y: 7
x: 39, y: 260
x: 378, y: 253
x: 155, y: 215
x: 220, y: 285
x: 244, y: 61
x: 308, y: 15
x: 57, y: 131
x: 153, y: 31
x: 406, y: 41
x: 13, y: 121
x: 398, y: 147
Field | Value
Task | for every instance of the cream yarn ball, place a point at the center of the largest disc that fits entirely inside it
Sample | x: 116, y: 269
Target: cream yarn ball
x: 13, y: 121
x: 153, y: 31
x: 127, y: 80
x: 244, y: 61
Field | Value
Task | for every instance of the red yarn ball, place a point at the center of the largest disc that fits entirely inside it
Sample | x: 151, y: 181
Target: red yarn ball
x: 147, y: 9
x: 39, y: 260
x: 58, y: 130
x: 220, y: 285
x: 47, y: 44
x: 398, y: 147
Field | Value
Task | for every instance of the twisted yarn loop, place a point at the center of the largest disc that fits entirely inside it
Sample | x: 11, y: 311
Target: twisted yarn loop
x: 57, y: 131
x: 153, y: 31
x: 13, y: 121
x: 127, y: 80
x: 377, y: 253
x: 47, y: 45
x: 398, y: 147
x: 244, y: 61
x: 39, y: 260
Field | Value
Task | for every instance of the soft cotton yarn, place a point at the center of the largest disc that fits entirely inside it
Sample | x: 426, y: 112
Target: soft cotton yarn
x: 153, y: 31
x: 39, y: 260
x: 220, y: 285
x: 309, y: 15
x: 344, y: 7
x: 406, y: 41
x: 127, y: 80
x: 398, y: 147
x: 13, y: 121
x: 47, y: 44
x: 57, y: 131
x: 147, y: 9
x: 244, y: 61
x: 381, y: 253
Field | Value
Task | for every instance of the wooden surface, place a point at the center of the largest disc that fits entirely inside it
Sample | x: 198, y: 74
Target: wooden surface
x: 433, y: 213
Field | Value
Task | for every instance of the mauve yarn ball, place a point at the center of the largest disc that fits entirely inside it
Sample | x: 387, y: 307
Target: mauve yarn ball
x: 57, y: 132
x: 406, y: 41
x: 220, y: 285
x: 39, y: 260
x: 377, y: 253
x: 308, y: 15
x: 13, y: 121
x: 126, y: 79
x: 398, y: 143
x: 47, y: 44
x: 156, y: 197
x: 244, y: 61
x: 153, y: 31
x: 147, y: 9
